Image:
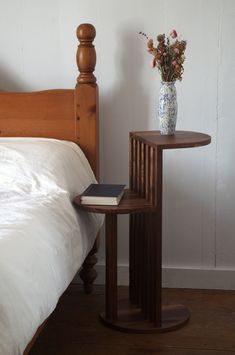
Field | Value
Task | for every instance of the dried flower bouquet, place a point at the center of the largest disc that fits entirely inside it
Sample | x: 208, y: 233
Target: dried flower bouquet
x: 168, y: 55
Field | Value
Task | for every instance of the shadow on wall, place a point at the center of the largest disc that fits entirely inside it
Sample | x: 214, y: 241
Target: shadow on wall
x: 125, y: 107
x: 188, y: 211
x: 10, y: 81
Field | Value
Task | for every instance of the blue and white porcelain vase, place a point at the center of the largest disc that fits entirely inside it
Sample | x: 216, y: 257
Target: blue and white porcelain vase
x: 167, y: 111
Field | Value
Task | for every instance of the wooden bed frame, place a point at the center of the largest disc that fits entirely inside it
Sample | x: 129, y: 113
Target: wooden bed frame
x: 62, y: 114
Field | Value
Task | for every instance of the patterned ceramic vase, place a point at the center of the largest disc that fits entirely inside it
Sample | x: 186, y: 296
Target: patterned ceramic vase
x: 167, y: 112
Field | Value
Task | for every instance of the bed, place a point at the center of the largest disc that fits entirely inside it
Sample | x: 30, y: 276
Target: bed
x: 48, y: 154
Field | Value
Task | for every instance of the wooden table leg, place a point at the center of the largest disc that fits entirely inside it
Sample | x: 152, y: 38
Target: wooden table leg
x: 144, y: 311
x: 152, y: 316
x: 111, y: 266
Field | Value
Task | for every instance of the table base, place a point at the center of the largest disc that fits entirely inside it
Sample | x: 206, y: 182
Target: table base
x: 130, y: 319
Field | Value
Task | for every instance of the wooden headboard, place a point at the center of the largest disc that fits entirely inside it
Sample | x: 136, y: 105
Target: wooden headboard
x: 62, y: 114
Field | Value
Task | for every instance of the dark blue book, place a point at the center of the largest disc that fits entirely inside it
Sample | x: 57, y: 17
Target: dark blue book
x: 102, y: 194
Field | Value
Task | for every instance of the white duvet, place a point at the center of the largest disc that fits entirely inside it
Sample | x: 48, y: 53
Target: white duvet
x: 43, y: 241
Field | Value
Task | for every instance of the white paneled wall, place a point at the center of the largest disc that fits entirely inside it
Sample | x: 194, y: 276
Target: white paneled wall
x: 225, y: 167
x: 37, y: 51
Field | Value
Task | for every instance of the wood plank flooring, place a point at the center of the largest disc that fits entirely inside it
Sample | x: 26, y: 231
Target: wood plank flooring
x: 75, y: 329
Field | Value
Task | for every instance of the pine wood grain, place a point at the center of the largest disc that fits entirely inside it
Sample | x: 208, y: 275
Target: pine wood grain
x: 61, y: 114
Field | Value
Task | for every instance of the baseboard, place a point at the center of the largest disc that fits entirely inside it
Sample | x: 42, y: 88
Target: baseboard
x: 199, y: 278
x: 180, y: 277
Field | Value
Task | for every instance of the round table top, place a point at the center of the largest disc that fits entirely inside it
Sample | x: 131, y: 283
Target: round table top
x: 131, y: 202
x: 181, y: 139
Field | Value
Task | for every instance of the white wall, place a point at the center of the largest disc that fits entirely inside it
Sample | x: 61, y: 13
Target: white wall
x: 37, y: 51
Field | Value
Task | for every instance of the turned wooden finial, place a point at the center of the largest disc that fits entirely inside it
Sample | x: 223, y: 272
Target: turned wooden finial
x: 86, y: 54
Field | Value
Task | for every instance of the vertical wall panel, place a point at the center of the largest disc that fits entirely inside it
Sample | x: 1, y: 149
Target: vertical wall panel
x: 189, y: 176
x: 225, y: 193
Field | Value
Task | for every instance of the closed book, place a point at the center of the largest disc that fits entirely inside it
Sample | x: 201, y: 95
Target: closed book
x: 102, y: 194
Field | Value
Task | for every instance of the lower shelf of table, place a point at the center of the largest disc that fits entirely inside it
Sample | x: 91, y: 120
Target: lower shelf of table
x: 130, y: 319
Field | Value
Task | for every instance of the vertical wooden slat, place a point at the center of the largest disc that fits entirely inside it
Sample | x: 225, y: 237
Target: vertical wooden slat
x: 145, y: 256
x: 148, y: 266
x: 132, y: 259
x: 151, y: 175
x: 137, y: 249
x: 157, y: 239
x: 151, y: 267
x: 145, y: 179
x: 134, y: 165
x: 141, y: 260
x: 138, y: 264
x: 147, y: 172
x: 131, y: 164
x: 138, y: 166
x: 142, y: 169
x: 157, y: 266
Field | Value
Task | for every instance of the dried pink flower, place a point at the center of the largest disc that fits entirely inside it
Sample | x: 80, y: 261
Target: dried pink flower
x: 173, y: 34
x: 153, y: 63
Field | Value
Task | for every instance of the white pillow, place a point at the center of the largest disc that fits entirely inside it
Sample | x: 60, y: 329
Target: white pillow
x: 41, y: 165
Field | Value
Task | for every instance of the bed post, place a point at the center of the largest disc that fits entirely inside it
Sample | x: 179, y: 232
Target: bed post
x: 87, y: 125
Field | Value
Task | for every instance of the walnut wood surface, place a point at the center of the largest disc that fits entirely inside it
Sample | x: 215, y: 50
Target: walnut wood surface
x: 131, y: 319
x: 144, y: 313
x: 145, y: 241
x: 181, y: 139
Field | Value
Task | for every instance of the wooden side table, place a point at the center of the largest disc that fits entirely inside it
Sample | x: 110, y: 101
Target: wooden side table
x: 143, y: 312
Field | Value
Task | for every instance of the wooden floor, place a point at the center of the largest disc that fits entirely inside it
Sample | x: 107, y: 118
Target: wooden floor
x: 75, y: 329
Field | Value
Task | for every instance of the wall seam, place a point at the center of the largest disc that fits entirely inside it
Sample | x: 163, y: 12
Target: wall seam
x: 217, y: 126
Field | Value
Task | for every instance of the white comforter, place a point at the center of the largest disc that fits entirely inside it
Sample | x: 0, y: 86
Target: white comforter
x: 43, y: 241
